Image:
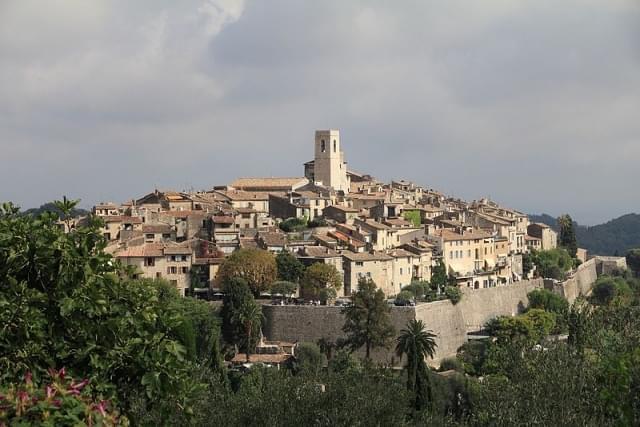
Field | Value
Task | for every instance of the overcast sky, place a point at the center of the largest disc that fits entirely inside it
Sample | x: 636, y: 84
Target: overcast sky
x: 533, y: 103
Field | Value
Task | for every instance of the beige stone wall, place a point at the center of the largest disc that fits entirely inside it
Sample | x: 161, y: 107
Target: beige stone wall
x: 449, y: 322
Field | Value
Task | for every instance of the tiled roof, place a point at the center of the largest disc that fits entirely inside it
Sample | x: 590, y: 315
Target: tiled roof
x: 266, y: 183
x: 159, y: 228
x: 177, y: 250
x: 277, y: 358
x: 366, y: 256
x: 123, y: 219
x: 318, y: 252
x: 449, y: 235
x: 273, y: 239
x: 146, y: 250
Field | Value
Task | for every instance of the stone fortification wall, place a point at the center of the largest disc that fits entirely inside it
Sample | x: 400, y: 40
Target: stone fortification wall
x: 579, y: 283
x: 449, y: 322
x: 478, y: 306
x: 610, y: 264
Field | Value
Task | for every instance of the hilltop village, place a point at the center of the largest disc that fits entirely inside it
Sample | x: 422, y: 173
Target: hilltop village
x: 393, y: 233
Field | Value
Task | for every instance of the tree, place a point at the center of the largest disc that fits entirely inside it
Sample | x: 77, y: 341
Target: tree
x: 284, y: 288
x: 321, y: 281
x: 453, y: 293
x: 567, y: 238
x: 293, y: 224
x: 553, y: 263
x: 439, y: 277
x: 367, y: 320
x: 309, y: 358
x: 527, y: 263
x: 417, y: 344
x: 417, y: 289
x: 290, y: 269
x: 250, y: 317
x: 327, y: 347
x: 237, y: 296
x: 547, y: 300
x: 256, y: 266
x: 633, y: 261
x: 413, y: 217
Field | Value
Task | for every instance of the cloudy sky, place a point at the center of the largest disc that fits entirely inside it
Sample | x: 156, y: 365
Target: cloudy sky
x: 533, y: 103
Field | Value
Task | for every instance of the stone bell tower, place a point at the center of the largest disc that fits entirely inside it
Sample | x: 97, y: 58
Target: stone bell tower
x: 330, y: 169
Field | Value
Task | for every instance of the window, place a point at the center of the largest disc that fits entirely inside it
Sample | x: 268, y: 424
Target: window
x: 323, y: 148
x: 166, y: 236
x: 451, y: 255
x: 359, y: 263
x: 184, y: 258
x: 401, y: 271
x: 334, y: 146
x: 149, y: 236
x: 173, y: 258
x: 158, y: 275
x: 149, y: 261
x: 174, y: 269
x: 184, y: 270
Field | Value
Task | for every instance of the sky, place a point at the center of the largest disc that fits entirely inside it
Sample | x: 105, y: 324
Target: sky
x: 535, y: 104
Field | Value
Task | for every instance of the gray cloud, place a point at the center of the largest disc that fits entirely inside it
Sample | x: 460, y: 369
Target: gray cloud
x: 533, y: 103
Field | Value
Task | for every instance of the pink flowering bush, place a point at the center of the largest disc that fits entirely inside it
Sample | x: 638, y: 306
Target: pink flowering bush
x: 61, y: 402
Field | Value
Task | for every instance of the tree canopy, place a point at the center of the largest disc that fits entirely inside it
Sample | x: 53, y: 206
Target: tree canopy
x: 256, y: 266
x: 321, y: 281
x: 367, y: 320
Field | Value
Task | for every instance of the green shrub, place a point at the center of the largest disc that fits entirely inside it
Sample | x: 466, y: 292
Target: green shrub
x: 453, y: 293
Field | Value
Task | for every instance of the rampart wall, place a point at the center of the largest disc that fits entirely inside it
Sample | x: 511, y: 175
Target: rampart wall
x: 449, y: 322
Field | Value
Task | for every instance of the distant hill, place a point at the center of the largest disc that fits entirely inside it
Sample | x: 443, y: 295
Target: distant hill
x: 50, y: 207
x: 614, y: 237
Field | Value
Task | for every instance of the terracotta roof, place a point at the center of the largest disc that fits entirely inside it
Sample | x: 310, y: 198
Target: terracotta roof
x: 158, y: 228
x: 400, y: 253
x: 241, y: 196
x: 366, y: 256
x: 347, y: 239
x: 177, y: 250
x: 122, y: 218
x: 318, y: 252
x: 146, y: 250
x: 449, y: 235
x: 273, y: 239
x: 248, y: 243
x: 343, y: 209
x: 373, y: 224
x: 275, y: 183
x: 398, y: 222
x: 223, y: 219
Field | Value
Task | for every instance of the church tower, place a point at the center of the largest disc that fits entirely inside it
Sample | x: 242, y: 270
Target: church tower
x: 330, y: 169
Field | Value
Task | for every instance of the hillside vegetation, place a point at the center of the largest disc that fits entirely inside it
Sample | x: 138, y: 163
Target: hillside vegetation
x: 615, y: 237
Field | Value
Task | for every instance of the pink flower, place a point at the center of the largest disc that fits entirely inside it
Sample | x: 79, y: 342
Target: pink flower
x: 79, y: 386
x: 61, y: 373
x: 100, y: 407
x: 50, y: 392
x: 28, y: 378
x: 57, y: 403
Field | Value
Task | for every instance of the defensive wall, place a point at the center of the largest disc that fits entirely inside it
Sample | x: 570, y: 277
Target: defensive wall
x: 449, y: 322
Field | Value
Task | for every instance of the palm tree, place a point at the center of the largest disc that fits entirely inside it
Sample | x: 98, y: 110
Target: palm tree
x: 248, y: 316
x: 417, y: 343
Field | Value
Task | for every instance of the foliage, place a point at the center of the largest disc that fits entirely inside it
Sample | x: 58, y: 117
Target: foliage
x: 249, y: 317
x: 309, y: 359
x: 633, y: 260
x: 417, y: 288
x: 547, y: 300
x: 284, y: 288
x: 321, y: 281
x: 451, y: 364
x: 439, y: 277
x: 256, y: 266
x: 527, y: 263
x: 293, y: 225
x: 344, y: 361
x: 236, y: 295
x: 51, y: 207
x: 64, y: 302
x: 61, y: 402
x: 413, y: 217
x: 290, y: 269
x: 417, y: 344
x: 317, y: 222
x: 453, y: 293
x: 608, y: 290
x: 567, y: 236
x: 552, y: 263
x: 472, y: 355
x: 404, y: 297
x: 367, y: 320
